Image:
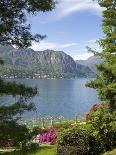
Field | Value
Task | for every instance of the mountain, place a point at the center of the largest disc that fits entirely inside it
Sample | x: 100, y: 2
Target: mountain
x: 90, y: 62
x: 46, y: 63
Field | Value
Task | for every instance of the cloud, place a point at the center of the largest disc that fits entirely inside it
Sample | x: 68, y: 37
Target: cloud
x: 43, y: 45
x: 93, y: 44
x: 68, y: 45
x: 81, y: 52
x: 91, y: 41
x: 67, y: 7
x: 83, y: 56
x: 76, y: 50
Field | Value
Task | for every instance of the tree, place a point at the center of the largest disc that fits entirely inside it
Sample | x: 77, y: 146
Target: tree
x: 105, y: 82
x: 13, y: 26
x: 15, y: 31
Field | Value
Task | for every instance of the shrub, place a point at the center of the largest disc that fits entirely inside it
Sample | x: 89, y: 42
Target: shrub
x: 105, y: 124
x: 77, y: 141
x: 48, y: 135
x: 94, y: 108
x: 33, y: 146
x: 13, y: 134
x: 30, y: 147
x: 33, y: 132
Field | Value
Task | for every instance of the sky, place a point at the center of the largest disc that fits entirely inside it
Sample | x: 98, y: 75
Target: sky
x: 70, y: 27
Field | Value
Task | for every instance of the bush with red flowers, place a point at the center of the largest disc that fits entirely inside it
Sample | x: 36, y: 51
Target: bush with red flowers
x: 48, y: 135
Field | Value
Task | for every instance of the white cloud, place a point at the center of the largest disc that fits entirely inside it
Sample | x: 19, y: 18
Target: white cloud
x: 91, y: 41
x: 93, y: 44
x: 68, y: 45
x: 43, y: 45
x: 76, y: 50
x: 67, y: 7
x: 83, y: 56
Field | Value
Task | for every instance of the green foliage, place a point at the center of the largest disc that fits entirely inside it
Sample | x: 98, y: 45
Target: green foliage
x: 96, y: 136
x: 105, y: 82
x: 9, y: 114
x: 16, y: 89
x: 31, y: 147
x: 104, y: 124
x: 11, y: 132
x: 8, y: 71
x: 15, y: 31
x: 17, y: 135
x: 1, y: 61
x: 13, y: 27
x: 104, y: 119
x: 34, y: 131
x: 77, y: 141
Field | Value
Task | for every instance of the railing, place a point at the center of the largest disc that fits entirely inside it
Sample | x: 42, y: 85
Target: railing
x: 42, y: 121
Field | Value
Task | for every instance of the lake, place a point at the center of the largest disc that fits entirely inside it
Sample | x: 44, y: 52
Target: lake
x: 66, y: 97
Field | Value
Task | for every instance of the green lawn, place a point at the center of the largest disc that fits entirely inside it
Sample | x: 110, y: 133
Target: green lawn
x: 46, y: 150
x: 43, y: 150
x: 50, y: 150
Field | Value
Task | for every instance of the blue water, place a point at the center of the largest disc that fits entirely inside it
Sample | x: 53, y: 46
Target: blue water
x: 66, y: 97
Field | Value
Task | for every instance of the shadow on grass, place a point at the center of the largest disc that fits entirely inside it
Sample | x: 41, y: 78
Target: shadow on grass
x: 18, y: 152
x: 41, y: 150
x: 46, y: 147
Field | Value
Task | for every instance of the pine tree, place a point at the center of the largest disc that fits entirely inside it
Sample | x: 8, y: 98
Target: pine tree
x: 15, y: 31
x: 10, y: 130
x: 105, y: 82
x: 13, y: 26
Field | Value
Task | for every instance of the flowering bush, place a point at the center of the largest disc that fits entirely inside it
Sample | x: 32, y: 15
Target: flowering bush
x: 7, y: 144
x: 48, y: 135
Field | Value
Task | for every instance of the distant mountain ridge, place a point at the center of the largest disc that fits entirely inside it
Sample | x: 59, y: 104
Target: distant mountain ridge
x: 48, y: 62
x: 90, y: 62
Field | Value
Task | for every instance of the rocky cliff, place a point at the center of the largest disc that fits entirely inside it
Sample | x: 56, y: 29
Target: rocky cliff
x: 42, y: 61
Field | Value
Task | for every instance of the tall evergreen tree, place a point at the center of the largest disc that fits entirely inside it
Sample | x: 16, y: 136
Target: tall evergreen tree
x: 15, y: 31
x: 105, y: 82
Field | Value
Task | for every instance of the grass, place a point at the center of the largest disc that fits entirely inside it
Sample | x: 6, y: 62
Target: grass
x: 113, y: 152
x: 43, y: 150
x: 46, y: 150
